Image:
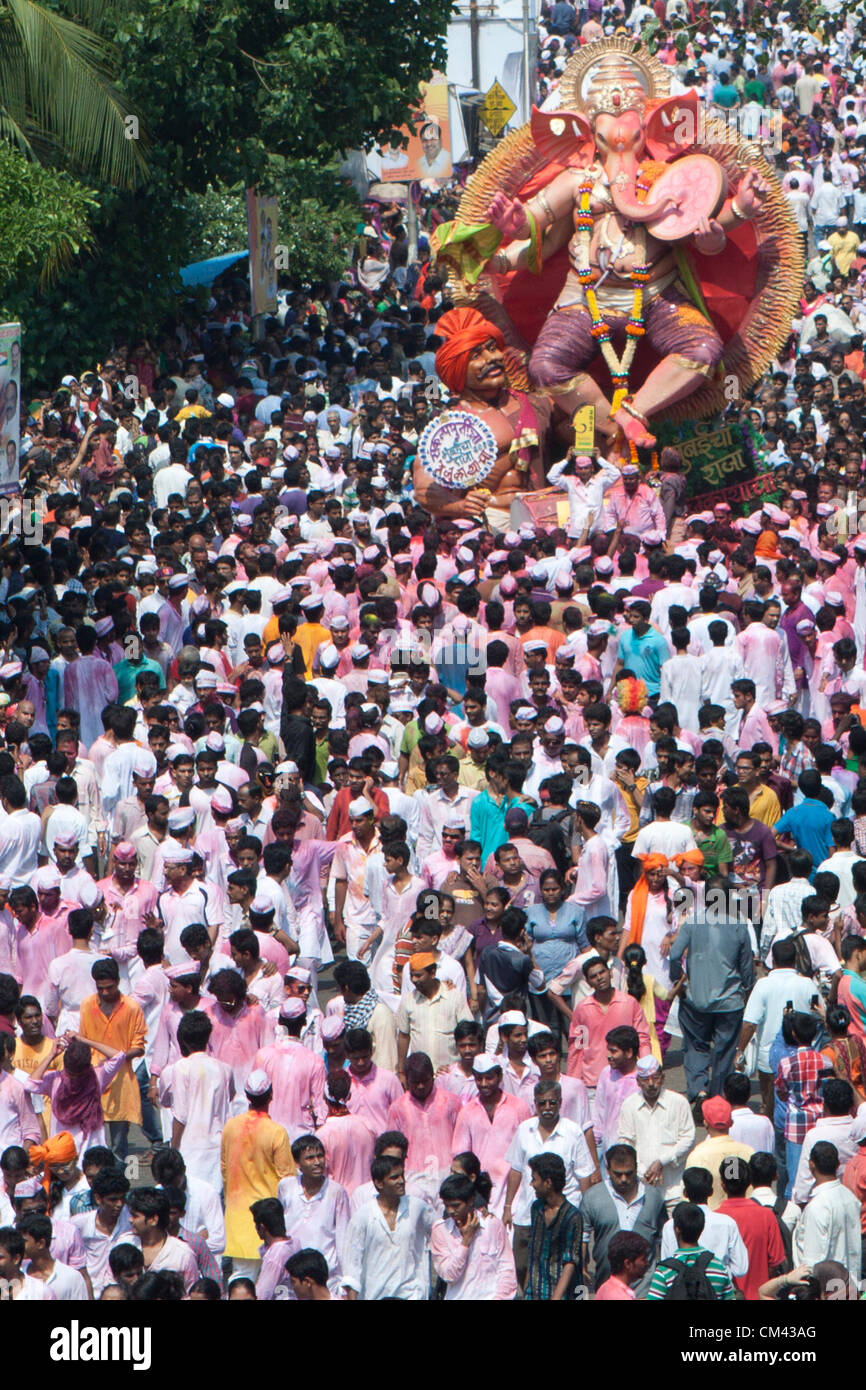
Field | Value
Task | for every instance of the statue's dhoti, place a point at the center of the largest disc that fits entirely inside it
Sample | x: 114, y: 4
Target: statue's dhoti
x: 674, y: 326
x: 498, y: 518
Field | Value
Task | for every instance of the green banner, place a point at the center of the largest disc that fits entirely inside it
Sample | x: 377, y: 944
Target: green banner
x: 724, y: 460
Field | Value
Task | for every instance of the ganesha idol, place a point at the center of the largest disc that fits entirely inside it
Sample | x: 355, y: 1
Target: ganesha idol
x: 638, y: 258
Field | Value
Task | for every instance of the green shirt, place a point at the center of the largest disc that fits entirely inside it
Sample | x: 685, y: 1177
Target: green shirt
x: 726, y: 95
x: 716, y: 1275
x: 715, y: 847
x: 126, y: 672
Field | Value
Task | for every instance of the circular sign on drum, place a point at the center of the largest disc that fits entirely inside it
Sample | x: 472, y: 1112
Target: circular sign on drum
x: 457, y: 449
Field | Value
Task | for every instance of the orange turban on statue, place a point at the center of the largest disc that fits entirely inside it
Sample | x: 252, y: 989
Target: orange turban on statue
x: 463, y: 331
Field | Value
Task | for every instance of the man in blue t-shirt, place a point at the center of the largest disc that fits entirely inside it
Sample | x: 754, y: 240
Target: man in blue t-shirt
x: 808, y: 825
x: 642, y: 649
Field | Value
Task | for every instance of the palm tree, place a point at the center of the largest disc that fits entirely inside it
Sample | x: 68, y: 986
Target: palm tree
x: 58, y: 101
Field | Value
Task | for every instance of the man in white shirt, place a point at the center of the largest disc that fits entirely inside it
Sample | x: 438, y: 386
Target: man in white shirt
x: 836, y: 1127
x: 585, y: 490
x: 764, y: 1009
x: 841, y: 862
x: 437, y: 806
x: 15, y: 1283
x: 61, y: 1281
x: 545, y: 1132
x: 658, y: 1124
x: 747, y: 1127
x: 388, y: 1241
x: 20, y: 833
x: 829, y: 1228
x: 204, y: 1211
x: 764, y: 1171
x: 720, y: 1234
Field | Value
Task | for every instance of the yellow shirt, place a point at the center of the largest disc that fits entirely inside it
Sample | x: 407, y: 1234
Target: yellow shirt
x: 844, y: 248
x: 471, y: 775
x: 709, y: 1155
x: 764, y: 806
x: 310, y: 637
x: 256, y: 1154
x: 633, y: 810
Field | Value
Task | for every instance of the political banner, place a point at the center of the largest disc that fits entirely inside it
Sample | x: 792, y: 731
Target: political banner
x: 262, y: 214
x: 427, y: 155
x: 10, y: 407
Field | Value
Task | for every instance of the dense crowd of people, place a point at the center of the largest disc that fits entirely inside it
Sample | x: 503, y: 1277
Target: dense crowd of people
x: 573, y: 807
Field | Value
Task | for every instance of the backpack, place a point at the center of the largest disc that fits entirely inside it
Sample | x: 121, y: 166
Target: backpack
x: 690, y: 1283
x: 554, y: 835
x: 778, y: 1208
x: 803, y: 959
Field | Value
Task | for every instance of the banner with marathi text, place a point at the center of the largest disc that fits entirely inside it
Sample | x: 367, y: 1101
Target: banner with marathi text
x: 10, y: 407
x: 720, y: 461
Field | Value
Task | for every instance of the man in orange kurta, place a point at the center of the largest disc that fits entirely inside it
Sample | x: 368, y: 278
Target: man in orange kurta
x: 256, y: 1153
x: 117, y: 1021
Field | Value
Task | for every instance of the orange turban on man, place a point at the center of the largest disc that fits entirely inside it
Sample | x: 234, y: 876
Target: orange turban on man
x: 640, y: 894
x: 463, y: 331
x: 56, y: 1151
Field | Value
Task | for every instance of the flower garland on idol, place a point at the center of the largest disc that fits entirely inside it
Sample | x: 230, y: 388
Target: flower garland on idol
x: 619, y: 367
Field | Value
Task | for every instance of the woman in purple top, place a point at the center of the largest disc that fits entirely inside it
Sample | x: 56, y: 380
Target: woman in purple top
x: 485, y: 931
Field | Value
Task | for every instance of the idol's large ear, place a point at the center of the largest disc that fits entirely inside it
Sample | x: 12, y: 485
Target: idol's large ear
x: 672, y: 127
x: 563, y: 136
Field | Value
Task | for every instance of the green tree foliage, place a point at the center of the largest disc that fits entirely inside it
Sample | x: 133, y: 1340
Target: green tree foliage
x: 58, y: 101
x: 231, y: 94
x: 44, y: 218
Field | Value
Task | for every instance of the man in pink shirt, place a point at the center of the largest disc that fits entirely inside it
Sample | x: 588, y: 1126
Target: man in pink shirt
x: 297, y: 1075
x: 89, y: 684
x: 617, y: 1080
x: 459, y: 1077
x: 593, y: 1019
x: 183, y: 997
x: 374, y: 1090
x: 487, y: 1125
x: 500, y: 685
x: 762, y: 651
x: 750, y: 724
x: 442, y: 862
x: 36, y: 941
x: 348, y: 1139
x: 130, y: 901
x: 471, y: 1250
x: 315, y: 1207
x: 239, y: 1029
x: 629, y: 1256
x: 426, y: 1113
x: 18, y: 1122
x: 273, y: 1283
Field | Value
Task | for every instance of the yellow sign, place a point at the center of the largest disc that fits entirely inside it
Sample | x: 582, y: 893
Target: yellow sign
x: 584, y: 428
x: 496, y: 109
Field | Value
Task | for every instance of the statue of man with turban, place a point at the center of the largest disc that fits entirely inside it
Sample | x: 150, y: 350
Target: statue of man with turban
x: 471, y: 363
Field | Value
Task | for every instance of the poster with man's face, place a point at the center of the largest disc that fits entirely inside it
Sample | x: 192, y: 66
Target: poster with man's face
x: 427, y: 156
x: 10, y: 407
